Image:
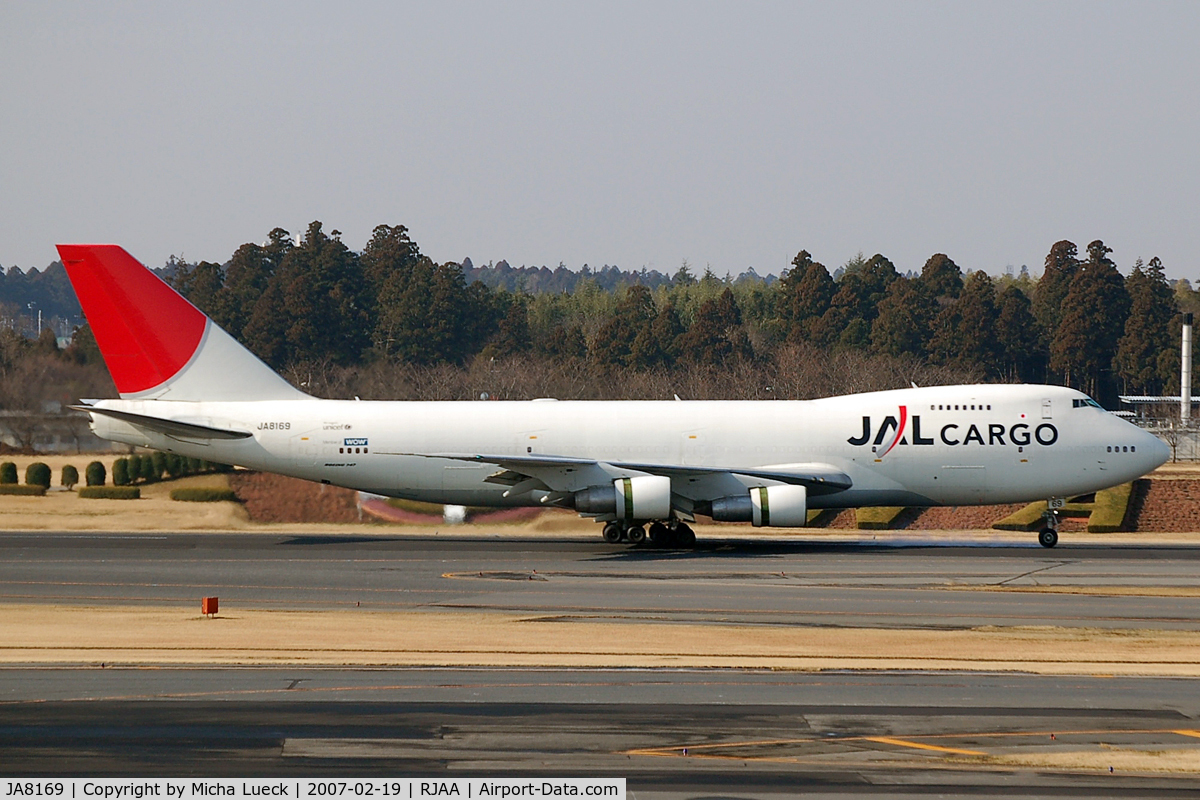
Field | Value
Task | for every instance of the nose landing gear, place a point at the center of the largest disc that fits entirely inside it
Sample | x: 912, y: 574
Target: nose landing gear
x: 1048, y: 535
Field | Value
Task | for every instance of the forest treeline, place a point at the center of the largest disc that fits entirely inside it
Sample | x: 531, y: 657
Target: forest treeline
x: 388, y: 322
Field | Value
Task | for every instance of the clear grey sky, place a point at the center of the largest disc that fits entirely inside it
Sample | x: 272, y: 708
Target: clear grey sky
x: 637, y: 134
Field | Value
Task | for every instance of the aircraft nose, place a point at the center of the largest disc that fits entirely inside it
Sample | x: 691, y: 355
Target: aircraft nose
x: 1157, y: 451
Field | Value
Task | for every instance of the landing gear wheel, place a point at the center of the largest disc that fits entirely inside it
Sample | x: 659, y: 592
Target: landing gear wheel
x: 1048, y: 537
x: 636, y: 534
x: 612, y: 533
x: 685, y: 537
x: 660, y: 534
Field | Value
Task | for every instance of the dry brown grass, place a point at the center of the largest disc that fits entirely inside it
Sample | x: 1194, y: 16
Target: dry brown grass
x: 1121, y: 759
x: 1099, y: 591
x: 174, y: 635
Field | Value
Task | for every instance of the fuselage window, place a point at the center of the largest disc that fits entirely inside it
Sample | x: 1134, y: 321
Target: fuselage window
x: 1132, y: 449
x: 1110, y: 449
x: 341, y: 450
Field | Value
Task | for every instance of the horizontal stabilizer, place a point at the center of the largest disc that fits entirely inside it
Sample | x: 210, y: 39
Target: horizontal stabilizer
x: 170, y: 427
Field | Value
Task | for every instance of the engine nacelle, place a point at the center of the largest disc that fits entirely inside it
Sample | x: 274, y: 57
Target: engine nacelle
x: 641, y: 498
x: 765, y: 506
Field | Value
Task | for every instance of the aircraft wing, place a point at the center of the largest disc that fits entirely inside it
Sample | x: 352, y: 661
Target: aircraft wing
x: 571, y: 474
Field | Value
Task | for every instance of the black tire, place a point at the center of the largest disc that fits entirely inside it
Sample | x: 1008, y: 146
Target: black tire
x: 612, y: 533
x: 660, y: 534
x: 686, y: 537
x: 636, y: 534
x: 1048, y: 537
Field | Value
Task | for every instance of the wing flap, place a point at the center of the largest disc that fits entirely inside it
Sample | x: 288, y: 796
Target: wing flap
x: 565, y: 473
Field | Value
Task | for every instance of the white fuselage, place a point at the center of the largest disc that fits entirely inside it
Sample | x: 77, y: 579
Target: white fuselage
x: 956, y: 445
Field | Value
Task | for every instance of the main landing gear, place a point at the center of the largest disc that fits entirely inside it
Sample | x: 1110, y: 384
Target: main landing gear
x: 669, y: 533
x: 1048, y: 535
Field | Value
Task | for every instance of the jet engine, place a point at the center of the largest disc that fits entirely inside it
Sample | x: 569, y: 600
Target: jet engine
x: 765, y: 506
x: 644, y: 497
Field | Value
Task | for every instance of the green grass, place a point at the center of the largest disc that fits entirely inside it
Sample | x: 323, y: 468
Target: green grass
x: 878, y: 518
x: 415, y: 506
x: 110, y: 492
x: 1028, y: 518
x: 1110, y: 509
x: 1106, y: 514
x: 431, y: 509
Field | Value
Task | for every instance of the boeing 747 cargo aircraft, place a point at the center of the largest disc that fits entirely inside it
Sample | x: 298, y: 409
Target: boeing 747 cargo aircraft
x: 644, y: 469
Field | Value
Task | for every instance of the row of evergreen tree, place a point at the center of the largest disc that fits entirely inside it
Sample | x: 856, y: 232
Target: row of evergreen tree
x: 313, y: 306
x: 1081, y: 323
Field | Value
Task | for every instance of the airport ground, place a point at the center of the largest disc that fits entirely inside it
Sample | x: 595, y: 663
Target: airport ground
x: 883, y: 664
x: 829, y: 663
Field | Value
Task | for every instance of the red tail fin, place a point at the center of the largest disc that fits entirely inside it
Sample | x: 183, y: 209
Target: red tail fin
x: 145, y: 329
x: 156, y: 344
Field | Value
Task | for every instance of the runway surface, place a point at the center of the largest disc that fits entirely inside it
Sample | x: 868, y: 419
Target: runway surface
x: 932, y: 583
x: 673, y: 733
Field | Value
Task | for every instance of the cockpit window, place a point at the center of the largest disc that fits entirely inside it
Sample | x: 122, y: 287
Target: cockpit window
x: 1081, y: 402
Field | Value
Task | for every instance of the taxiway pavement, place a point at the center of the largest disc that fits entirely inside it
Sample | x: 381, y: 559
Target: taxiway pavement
x: 673, y: 733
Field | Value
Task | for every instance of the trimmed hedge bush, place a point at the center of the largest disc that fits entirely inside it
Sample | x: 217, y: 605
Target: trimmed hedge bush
x: 38, y: 474
x: 156, y: 466
x: 149, y: 473
x: 201, y: 494
x: 95, y: 474
x: 16, y: 488
x: 111, y: 492
x: 8, y: 472
x: 70, y: 476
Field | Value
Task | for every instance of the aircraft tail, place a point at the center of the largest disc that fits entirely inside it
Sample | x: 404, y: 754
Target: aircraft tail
x: 156, y: 344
